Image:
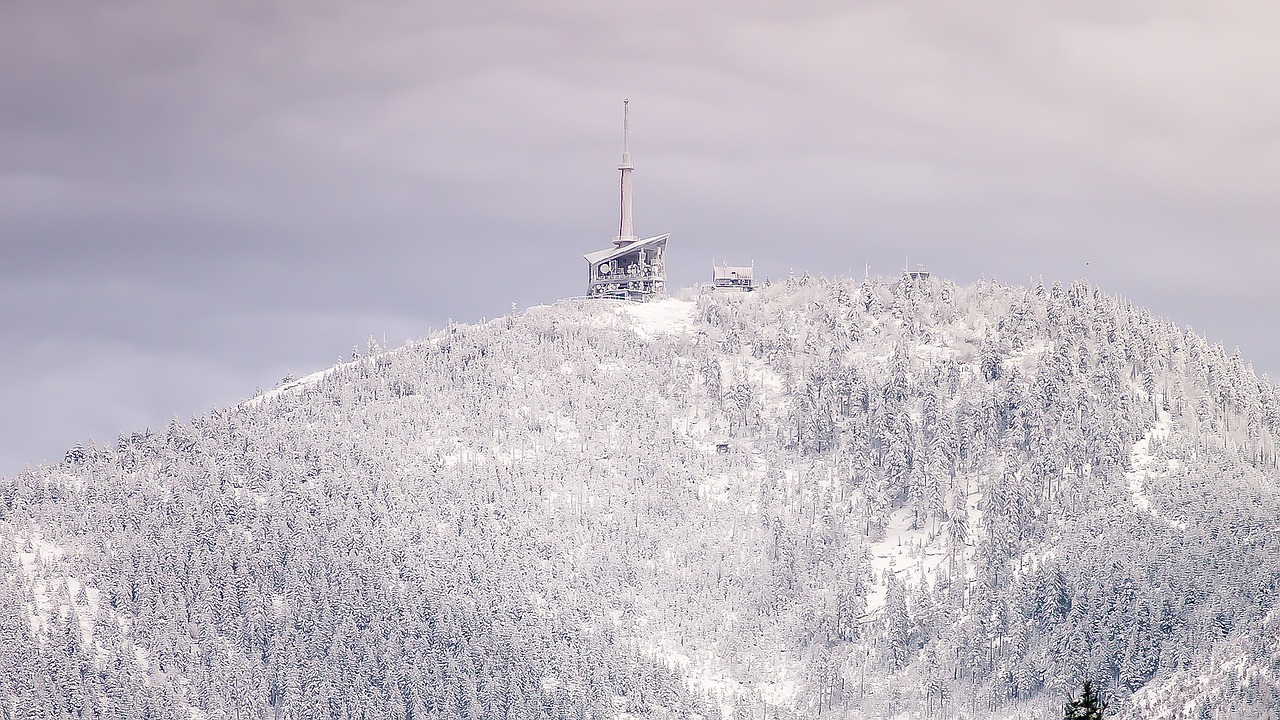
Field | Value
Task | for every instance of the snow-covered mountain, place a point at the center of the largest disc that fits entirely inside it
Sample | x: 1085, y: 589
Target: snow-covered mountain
x: 826, y: 498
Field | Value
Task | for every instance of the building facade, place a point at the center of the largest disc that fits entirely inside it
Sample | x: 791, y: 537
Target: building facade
x: 634, y: 268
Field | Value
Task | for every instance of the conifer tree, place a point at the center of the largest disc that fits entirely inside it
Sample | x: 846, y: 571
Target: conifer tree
x: 1089, y: 706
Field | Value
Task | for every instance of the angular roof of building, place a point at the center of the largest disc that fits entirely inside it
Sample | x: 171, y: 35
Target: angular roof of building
x: 600, y: 256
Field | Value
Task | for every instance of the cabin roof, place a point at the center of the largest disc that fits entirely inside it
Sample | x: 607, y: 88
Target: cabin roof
x: 600, y: 256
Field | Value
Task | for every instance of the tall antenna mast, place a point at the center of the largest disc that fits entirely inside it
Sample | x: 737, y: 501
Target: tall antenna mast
x: 626, y: 232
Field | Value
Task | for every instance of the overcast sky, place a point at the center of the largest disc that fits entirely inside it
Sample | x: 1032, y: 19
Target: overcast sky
x: 197, y: 198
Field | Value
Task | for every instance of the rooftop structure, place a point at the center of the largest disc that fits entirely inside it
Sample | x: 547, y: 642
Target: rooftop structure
x: 920, y: 273
x: 634, y: 268
x: 733, y: 277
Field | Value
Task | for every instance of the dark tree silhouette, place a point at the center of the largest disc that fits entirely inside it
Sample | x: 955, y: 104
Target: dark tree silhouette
x: 1089, y: 706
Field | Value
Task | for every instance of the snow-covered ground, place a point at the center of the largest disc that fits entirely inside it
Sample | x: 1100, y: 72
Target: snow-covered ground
x: 1145, y: 468
x: 30, y: 562
x: 292, y: 385
x: 40, y: 565
x: 1198, y: 690
x: 776, y: 674
x: 1025, y: 359
x: 915, y: 554
x: 668, y: 316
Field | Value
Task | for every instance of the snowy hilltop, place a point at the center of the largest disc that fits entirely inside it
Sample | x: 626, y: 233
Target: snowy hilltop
x: 826, y: 498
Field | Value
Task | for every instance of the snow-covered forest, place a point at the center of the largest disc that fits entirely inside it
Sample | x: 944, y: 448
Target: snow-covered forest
x: 827, y: 498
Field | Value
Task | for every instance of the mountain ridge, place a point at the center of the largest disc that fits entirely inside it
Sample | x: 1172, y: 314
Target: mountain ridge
x: 904, y: 499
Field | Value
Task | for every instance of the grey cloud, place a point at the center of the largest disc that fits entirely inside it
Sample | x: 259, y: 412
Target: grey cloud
x: 169, y: 172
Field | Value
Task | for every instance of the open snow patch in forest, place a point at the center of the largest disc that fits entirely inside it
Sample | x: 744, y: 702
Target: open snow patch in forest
x: 1145, y: 468
x: 903, y: 550
x: 914, y: 554
x: 705, y: 671
x: 772, y: 385
x: 668, y: 316
x: 1025, y: 358
x: 31, y: 556
x: 772, y: 675
x: 933, y: 352
x: 53, y: 593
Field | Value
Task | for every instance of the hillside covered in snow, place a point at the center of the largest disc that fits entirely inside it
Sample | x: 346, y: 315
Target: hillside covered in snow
x: 827, y: 498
